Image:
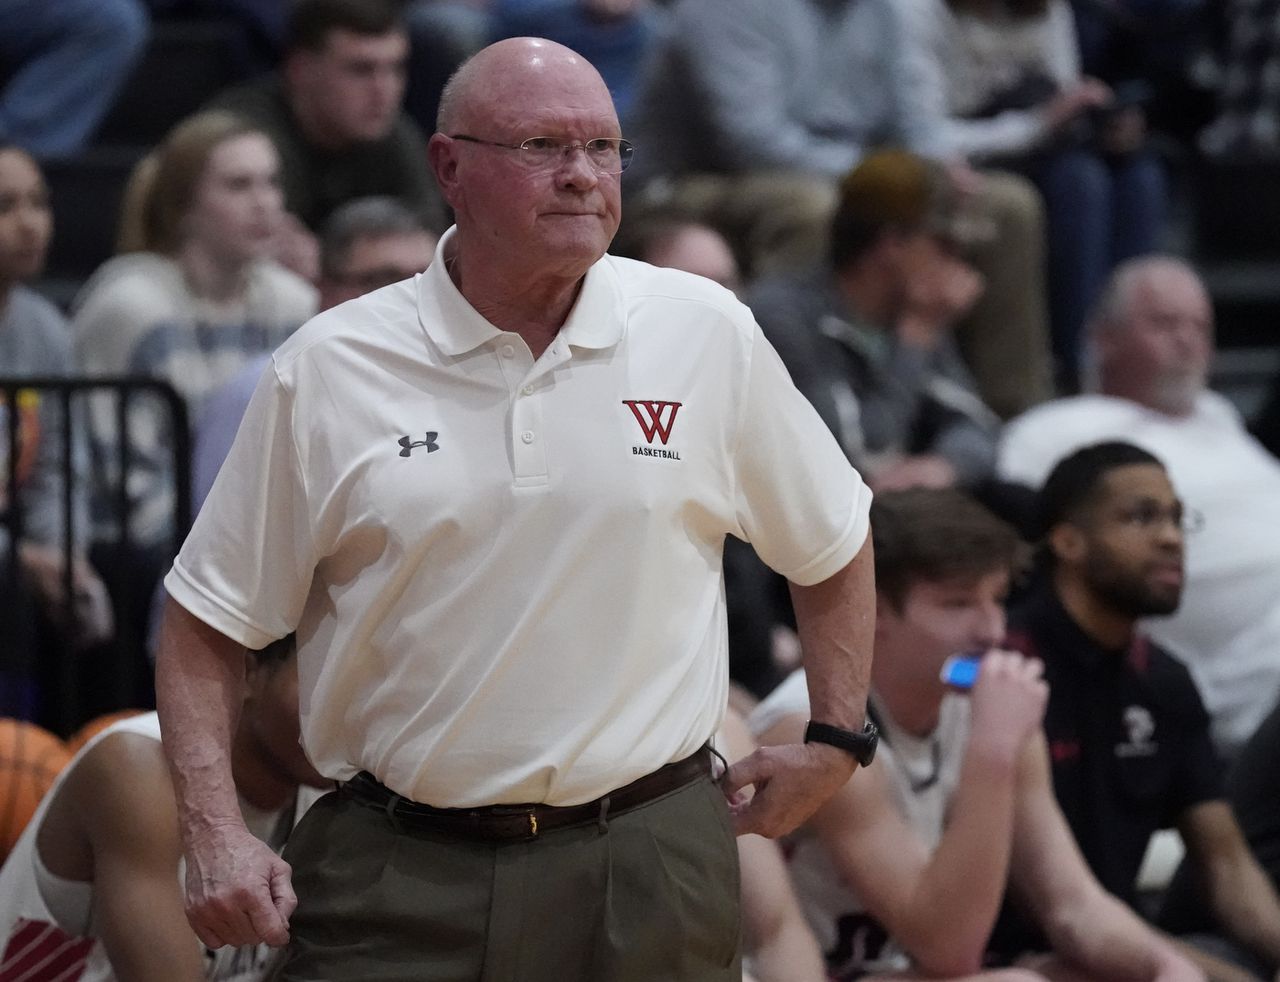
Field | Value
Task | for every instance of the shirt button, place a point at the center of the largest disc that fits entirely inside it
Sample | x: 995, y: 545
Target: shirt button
x: 527, y: 436
x: 508, y: 351
x: 527, y: 390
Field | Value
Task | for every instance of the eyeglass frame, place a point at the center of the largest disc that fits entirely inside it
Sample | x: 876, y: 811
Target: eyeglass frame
x: 626, y: 149
x: 1147, y: 518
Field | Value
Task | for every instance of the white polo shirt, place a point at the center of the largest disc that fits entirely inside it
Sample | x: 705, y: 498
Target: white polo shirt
x: 505, y: 573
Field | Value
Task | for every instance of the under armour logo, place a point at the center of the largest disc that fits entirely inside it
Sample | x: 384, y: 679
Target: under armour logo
x: 655, y: 418
x: 408, y: 446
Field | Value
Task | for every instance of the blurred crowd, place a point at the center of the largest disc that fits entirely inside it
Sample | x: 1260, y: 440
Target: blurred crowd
x: 960, y: 223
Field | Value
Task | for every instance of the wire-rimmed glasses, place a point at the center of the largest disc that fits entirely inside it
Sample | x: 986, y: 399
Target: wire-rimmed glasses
x: 1149, y: 516
x: 607, y: 155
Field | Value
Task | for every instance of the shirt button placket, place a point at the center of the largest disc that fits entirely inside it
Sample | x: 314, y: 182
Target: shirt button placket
x: 527, y: 452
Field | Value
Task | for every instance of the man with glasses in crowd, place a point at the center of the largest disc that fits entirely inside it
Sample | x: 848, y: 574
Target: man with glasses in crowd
x: 370, y: 243
x: 492, y: 501
x: 1150, y: 345
x: 1128, y: 735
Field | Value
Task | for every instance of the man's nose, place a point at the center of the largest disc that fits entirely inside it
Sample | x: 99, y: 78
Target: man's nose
x: 1169, y: 533
x: 575, y: 169
x: 990, y: 628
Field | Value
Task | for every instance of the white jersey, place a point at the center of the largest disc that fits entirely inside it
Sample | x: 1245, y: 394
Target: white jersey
x: 923, y: 774
x: 46, y: 922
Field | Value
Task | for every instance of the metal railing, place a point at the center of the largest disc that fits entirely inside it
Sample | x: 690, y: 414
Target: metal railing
x: 63, y: 707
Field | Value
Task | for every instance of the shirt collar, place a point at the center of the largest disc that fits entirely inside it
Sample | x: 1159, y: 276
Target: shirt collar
x: 597, y: 320
x: 1057, y: 629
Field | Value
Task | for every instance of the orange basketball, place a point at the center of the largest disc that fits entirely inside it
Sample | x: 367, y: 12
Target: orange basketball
x: 95, y: 726
x: 30, y: 758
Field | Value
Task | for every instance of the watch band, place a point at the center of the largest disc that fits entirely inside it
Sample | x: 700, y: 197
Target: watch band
x: 861, y: 744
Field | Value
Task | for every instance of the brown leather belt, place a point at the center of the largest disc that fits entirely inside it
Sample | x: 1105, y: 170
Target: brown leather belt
x: 502, y: 823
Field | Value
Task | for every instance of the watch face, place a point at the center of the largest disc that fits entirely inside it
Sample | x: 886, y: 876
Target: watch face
x: 871, y: 740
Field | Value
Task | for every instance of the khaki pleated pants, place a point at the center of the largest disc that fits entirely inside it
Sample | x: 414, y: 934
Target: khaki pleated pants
x: 647, y: 896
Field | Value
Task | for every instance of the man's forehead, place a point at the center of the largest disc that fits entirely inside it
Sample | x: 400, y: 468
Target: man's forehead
x: 543, y: 105
x: 1138, y: 480
x: 344, y: 43
x: 532, y: 85
x: 970, y: 581
x: 1171, y: 289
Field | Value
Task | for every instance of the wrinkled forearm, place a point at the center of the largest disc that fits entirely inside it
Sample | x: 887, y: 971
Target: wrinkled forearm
x: 836, y: 623
x: 199, y: 675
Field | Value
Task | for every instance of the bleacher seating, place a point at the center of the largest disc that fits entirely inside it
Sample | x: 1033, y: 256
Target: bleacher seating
x: 185, y: 63
x: 86, y: 193
x: 1231, y: 232
x: 1236, y: 243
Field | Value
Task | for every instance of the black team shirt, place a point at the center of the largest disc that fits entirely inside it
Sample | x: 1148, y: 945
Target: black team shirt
x: 1128, y: 739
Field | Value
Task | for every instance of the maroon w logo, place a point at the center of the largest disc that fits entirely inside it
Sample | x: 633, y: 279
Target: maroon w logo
x: 649, y: 413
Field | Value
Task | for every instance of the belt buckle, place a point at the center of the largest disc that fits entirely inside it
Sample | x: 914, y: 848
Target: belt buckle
x: 528, y: 812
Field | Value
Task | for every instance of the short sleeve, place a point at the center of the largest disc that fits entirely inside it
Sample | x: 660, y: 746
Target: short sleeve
x: 1201, y: 769
x: 799, y: 502
x: 247, y: 565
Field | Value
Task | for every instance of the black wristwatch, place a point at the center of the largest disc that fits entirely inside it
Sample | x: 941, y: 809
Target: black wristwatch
x: 862, y: 745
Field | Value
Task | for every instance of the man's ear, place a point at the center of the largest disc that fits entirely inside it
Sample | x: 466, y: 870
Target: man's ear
x: 442, y: 157
x: 1066, y: 542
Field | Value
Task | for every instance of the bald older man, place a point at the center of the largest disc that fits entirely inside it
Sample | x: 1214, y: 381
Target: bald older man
x: 492, y: 500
